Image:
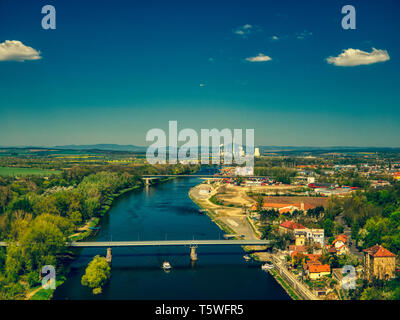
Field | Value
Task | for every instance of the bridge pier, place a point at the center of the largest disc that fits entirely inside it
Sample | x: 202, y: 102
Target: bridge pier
x: 147, y: 181
x: 109, y: 255
x: 193, y: 254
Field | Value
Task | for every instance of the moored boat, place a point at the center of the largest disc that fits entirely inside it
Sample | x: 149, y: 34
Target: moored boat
x: 267, y: 266
x: 247, y: 257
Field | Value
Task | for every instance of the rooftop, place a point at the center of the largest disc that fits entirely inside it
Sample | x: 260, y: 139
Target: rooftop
x: 292, y: 225
x: 378, y: 251
x: 315, y: 268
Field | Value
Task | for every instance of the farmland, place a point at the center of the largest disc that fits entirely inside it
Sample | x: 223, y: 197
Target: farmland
x: 14, y: 171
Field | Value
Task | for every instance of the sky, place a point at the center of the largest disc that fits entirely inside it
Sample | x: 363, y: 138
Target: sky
x: 113, y: 70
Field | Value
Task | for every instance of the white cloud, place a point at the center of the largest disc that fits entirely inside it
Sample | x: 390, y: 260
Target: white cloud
x: 260, y: 58
x: 13, y: 50
x: 274, y: 38
x: 356, y: 57
x: 243, y: 30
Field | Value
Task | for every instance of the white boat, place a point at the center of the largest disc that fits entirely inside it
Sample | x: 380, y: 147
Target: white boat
x: 246, y: 257
x: 267, y: 266
x: 166, y: 265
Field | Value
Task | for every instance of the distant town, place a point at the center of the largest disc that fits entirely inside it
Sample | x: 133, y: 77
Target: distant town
x: 331, y: 218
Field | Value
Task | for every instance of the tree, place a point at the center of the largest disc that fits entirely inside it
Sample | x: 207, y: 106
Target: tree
x: 97, y: 274
x: 14, y: 263
x: 328, y: 227
x: 44, y: 240
x: 5, y: 197
x: 2, y: 259
x: 371, y: 294
x: 75, y: 217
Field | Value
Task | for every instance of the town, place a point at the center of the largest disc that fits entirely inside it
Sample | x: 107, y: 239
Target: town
x: 332, y: 218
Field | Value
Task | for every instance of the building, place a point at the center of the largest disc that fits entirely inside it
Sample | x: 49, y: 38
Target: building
x: 315, y: 236
x: 397, y: 176
x: 287, y: 207
x: 315, y: 271
x: 379, y: 263
x: 300, y: 237
x: 297, y: 249
x: 290, y: 226
x: 257, y: 152
x: 339, y: 245
x: 244, y: 171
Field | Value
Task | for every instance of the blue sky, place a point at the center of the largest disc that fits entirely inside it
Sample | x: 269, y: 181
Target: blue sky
x: 112, y: 70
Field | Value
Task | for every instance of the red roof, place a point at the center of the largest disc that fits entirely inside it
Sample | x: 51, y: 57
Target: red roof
x: 341, y: 237
x: 301, y: 249
x: 275, y: 205
x: 292, y: 225
x: 332, y: 250
x: 379, y: 251
x: 313, y: 257
x: 317, y: 268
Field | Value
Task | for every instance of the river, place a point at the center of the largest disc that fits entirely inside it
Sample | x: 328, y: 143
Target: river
x: 160, y: 212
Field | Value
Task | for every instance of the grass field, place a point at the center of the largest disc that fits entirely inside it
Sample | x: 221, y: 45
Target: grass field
x: 11, y: 171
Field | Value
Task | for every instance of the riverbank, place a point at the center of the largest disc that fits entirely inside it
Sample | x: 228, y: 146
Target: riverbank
x: 213, y: 210
x: 89, y: 229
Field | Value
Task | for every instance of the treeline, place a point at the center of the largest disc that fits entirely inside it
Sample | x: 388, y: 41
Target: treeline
x: 40, y: 214
x: 279, y: 174
x: 374, y: 217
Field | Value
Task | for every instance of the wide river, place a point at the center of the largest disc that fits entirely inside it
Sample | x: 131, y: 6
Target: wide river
x: 161, y: 212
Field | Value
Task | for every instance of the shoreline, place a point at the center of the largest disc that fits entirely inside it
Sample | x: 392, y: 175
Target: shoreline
x: 213, y: 216
x: 39, y: 293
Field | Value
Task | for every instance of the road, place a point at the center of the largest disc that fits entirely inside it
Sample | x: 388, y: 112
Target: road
x: 347, y: 231
x: 108, y: 244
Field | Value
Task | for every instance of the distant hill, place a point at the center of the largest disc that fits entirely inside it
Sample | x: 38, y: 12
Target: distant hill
x: 325, y: 149
x: 104, y: 147
x: 263, y: 149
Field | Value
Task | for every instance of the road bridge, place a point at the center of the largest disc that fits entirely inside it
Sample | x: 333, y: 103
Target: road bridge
x: 192, y: 244
x: 156, y: 243
x: 196, y: 176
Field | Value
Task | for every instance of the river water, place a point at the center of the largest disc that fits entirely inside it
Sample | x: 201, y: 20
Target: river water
x: 161, y: 212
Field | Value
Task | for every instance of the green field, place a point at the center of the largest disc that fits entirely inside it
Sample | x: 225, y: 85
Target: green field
x: 11, y: 171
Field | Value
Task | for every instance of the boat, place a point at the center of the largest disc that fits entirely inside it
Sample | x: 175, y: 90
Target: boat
x: 267, y: 266
x: 166, y: 265
x: 247, y: 257
x: 95, y: 230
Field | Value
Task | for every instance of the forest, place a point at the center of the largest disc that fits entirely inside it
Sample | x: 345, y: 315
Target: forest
x: 39, y: 214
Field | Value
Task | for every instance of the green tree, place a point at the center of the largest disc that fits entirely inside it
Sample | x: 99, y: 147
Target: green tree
x: 328, y: 227
x: 371, y: 293
x: 97, y: 273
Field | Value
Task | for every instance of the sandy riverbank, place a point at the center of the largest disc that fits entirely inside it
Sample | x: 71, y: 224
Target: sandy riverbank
x: 236, y: 223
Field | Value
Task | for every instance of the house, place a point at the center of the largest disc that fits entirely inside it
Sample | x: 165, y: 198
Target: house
x: 290, y: 226
x: 300, y: 237
x: 340, y: 245
x: 314, y: 257
x: 288, y: 207
x: 316, y: 271
x: 315, y: 236
x: 379, y: 263
x: 297, y: 249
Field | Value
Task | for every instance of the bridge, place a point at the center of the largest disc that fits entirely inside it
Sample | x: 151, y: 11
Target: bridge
x: 156, y: 243
x: 196, y: 176
x: 193, y: 244
x: 148, y: 178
